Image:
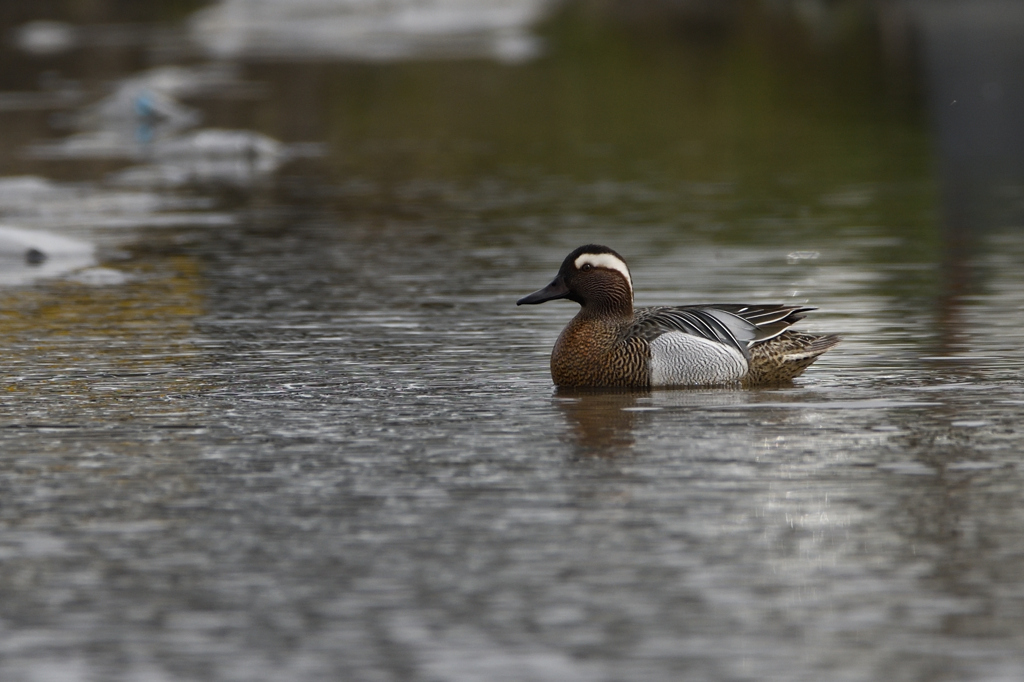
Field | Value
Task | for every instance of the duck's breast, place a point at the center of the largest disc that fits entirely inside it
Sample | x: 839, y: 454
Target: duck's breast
x: 595, y: 353
x: 680, y: 359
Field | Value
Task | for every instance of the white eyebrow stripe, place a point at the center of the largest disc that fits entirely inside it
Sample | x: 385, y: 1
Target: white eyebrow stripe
x: 605, y: 260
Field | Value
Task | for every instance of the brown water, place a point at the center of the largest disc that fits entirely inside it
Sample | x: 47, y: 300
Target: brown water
x: 285, y: 422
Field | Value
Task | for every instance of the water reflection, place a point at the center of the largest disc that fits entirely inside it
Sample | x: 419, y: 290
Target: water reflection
x: 601, y: 422
x: 607, y: 423
x: 72, y: 350
x: 969, y: 55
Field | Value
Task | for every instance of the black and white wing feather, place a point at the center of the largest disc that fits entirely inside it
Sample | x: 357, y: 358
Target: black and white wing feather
x: 737, y: 326
x: 770, y: 320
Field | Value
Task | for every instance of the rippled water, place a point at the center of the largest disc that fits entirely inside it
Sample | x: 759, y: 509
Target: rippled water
x: 298, y: 430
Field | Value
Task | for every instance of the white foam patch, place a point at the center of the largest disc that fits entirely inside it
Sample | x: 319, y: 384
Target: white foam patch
x: 605, y: 260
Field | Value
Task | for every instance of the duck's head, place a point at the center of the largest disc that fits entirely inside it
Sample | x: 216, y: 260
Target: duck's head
x: 595, y: 277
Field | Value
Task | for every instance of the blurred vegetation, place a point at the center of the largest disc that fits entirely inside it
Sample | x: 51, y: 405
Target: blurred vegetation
x: 15, y: 12
x: 749, y: 123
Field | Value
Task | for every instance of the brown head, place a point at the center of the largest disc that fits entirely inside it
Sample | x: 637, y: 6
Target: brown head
x: 595, y: 277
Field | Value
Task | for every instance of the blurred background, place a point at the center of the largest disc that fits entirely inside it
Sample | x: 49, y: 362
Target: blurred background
x: 269, y: 410
x: 785, y: 110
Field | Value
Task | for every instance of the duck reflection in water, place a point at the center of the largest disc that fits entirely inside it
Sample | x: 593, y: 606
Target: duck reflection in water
x: 606, y: 422
x: 602, y: 422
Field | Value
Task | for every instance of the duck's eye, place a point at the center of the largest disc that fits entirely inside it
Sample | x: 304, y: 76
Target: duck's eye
x: 586, y: 267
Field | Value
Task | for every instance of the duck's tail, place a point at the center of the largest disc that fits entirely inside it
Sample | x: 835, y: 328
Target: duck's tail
x: 783, y: 358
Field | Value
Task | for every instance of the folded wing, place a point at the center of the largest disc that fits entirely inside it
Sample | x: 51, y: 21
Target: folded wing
x: 737, y: 326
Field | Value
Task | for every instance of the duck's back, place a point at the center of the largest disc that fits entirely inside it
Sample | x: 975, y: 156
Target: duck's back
x: 722, y: 344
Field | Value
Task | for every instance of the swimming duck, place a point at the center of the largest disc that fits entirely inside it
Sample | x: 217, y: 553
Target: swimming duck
x: 611, y: 343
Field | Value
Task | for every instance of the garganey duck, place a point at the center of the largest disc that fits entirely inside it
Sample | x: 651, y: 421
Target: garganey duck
x: 610, y: 343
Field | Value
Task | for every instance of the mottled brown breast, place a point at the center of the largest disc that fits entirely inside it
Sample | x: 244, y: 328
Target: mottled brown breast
x: 591, y: 352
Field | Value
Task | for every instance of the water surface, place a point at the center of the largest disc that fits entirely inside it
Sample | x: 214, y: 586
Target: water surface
x: 289, y: 424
